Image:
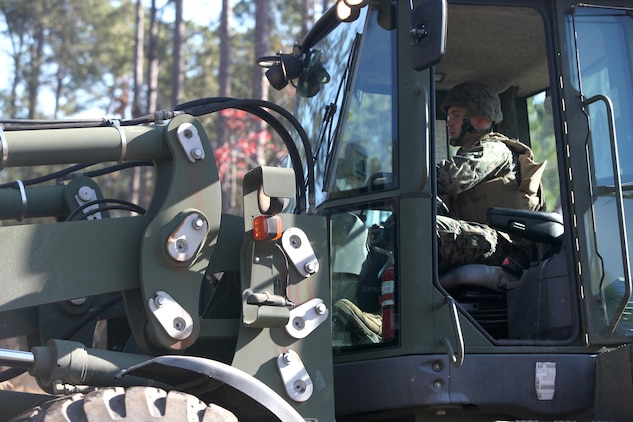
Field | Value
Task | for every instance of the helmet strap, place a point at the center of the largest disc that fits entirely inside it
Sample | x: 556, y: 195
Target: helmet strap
x: 467, y: 126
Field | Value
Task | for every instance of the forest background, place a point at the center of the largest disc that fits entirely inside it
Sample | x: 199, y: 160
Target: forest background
x: 127, y: 58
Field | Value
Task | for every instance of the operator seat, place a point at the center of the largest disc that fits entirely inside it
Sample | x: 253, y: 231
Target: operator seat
x: 539, y: 299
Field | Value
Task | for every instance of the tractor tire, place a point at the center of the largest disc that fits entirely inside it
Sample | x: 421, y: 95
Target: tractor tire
x: 132, y: 404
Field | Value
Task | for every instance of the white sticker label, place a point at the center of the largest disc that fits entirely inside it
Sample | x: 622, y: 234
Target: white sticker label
x: 545, y: 380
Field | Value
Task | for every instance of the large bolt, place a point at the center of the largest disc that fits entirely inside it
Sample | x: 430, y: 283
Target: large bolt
x: 196, y: 153
x: 78, y: 302
x: 299, y: 386
x: 299, y: 323
x: 182, y: 245
x: 179, y: 324
x: 197, y: 223
x: 159, y: 301
x: 287, y: 358
x: 295, y: 241
x: 320, y: 309
x: 86, y: 193
x: 310, y: 267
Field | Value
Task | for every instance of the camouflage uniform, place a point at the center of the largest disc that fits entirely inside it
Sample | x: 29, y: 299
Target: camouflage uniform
x: 495, y: 171
x: 461, y: 242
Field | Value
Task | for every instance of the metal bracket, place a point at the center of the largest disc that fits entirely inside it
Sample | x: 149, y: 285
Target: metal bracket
x: 174, y: 318
x: 84, y: 195
x: 190, y: 142
x: 297, y: 246
x: 117, y: 125
x: 305, y: 318
x: 22, y: 190
x: 186, y: 240
x: 297, y: 382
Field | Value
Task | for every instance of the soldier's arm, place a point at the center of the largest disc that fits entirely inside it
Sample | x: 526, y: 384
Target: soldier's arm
x: 468, y: 168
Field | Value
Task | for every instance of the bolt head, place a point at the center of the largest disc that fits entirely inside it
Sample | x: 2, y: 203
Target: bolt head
x: 320, y: 309
x: 288, y: 359
x: 300, y: 386
x: 78, y: 302
x: 310, y: 267
x: 196, y: 153
x: 197, y: 223
x: 179, y: 324
x: 182, y: 245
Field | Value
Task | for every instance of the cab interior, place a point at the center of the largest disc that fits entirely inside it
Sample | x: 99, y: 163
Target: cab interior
x: 507, y: 49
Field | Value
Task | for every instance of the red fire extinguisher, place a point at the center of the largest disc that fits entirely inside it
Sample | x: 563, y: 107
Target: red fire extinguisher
x: 387, y: 303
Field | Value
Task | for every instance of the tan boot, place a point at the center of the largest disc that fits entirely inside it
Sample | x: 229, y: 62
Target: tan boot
x: 365, y: 325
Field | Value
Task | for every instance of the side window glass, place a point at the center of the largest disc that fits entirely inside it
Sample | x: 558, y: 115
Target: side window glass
x: 364, y: 282
x: 368, y: 125
x: 543, y: 143
x: 605, y: 62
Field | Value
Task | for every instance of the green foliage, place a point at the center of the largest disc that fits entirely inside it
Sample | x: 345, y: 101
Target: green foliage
x: 543, y: 144
x: 87, y: 63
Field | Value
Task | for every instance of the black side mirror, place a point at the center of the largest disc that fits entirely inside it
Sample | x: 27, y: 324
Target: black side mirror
x: 428, y: 33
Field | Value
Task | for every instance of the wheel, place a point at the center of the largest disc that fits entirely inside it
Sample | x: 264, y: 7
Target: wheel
x: 138, y: 404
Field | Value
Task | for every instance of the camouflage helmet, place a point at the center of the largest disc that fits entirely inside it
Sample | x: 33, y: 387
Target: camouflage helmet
x: 478, y: 99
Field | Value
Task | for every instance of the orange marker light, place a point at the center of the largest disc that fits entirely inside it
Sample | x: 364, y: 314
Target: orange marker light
x: 267, y: 228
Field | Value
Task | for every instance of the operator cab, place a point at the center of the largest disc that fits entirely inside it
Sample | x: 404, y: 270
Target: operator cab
x: 511, y: 302
x: 361, y: 172
x: 377, y: 132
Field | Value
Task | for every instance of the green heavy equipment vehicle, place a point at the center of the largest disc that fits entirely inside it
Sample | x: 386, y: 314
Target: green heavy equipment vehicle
x: 323, y: 301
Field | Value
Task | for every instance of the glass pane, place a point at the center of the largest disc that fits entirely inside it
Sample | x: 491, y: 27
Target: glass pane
x: 543, y: 143
x: 349, y: 121
x: 320, y: 110
x: 364, y: 286
x: 605, y: 53
x: 366, y: 148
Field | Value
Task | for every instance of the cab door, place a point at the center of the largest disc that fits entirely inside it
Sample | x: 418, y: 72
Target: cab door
x: 599, y: 106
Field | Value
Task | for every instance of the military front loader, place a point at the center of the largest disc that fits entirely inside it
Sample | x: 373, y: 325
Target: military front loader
x: 323, y: 300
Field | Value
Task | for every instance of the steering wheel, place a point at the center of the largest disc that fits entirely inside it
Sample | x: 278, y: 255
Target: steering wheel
x: 381, y: 175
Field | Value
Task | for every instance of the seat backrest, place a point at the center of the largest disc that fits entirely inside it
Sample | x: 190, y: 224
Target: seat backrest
x: 538, y: 226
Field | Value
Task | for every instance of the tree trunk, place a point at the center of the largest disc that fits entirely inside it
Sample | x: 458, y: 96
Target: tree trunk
x: 224, y: 74
x: 262, y: 47
x: 260, y: 83
x: 152, y: 59
x: 35, y: 70
x: 178, y: 68
x: 137, y: 105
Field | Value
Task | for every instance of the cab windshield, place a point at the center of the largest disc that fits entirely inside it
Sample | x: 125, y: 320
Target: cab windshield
x: 350, y: 118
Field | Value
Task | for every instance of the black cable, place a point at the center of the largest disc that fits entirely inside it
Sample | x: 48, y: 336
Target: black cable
x: 135, y: 209
x: 130, y: 207
x: 118, y: 167
x: 214, y: 104
x: 256, y: 107
x: 50, y: 176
